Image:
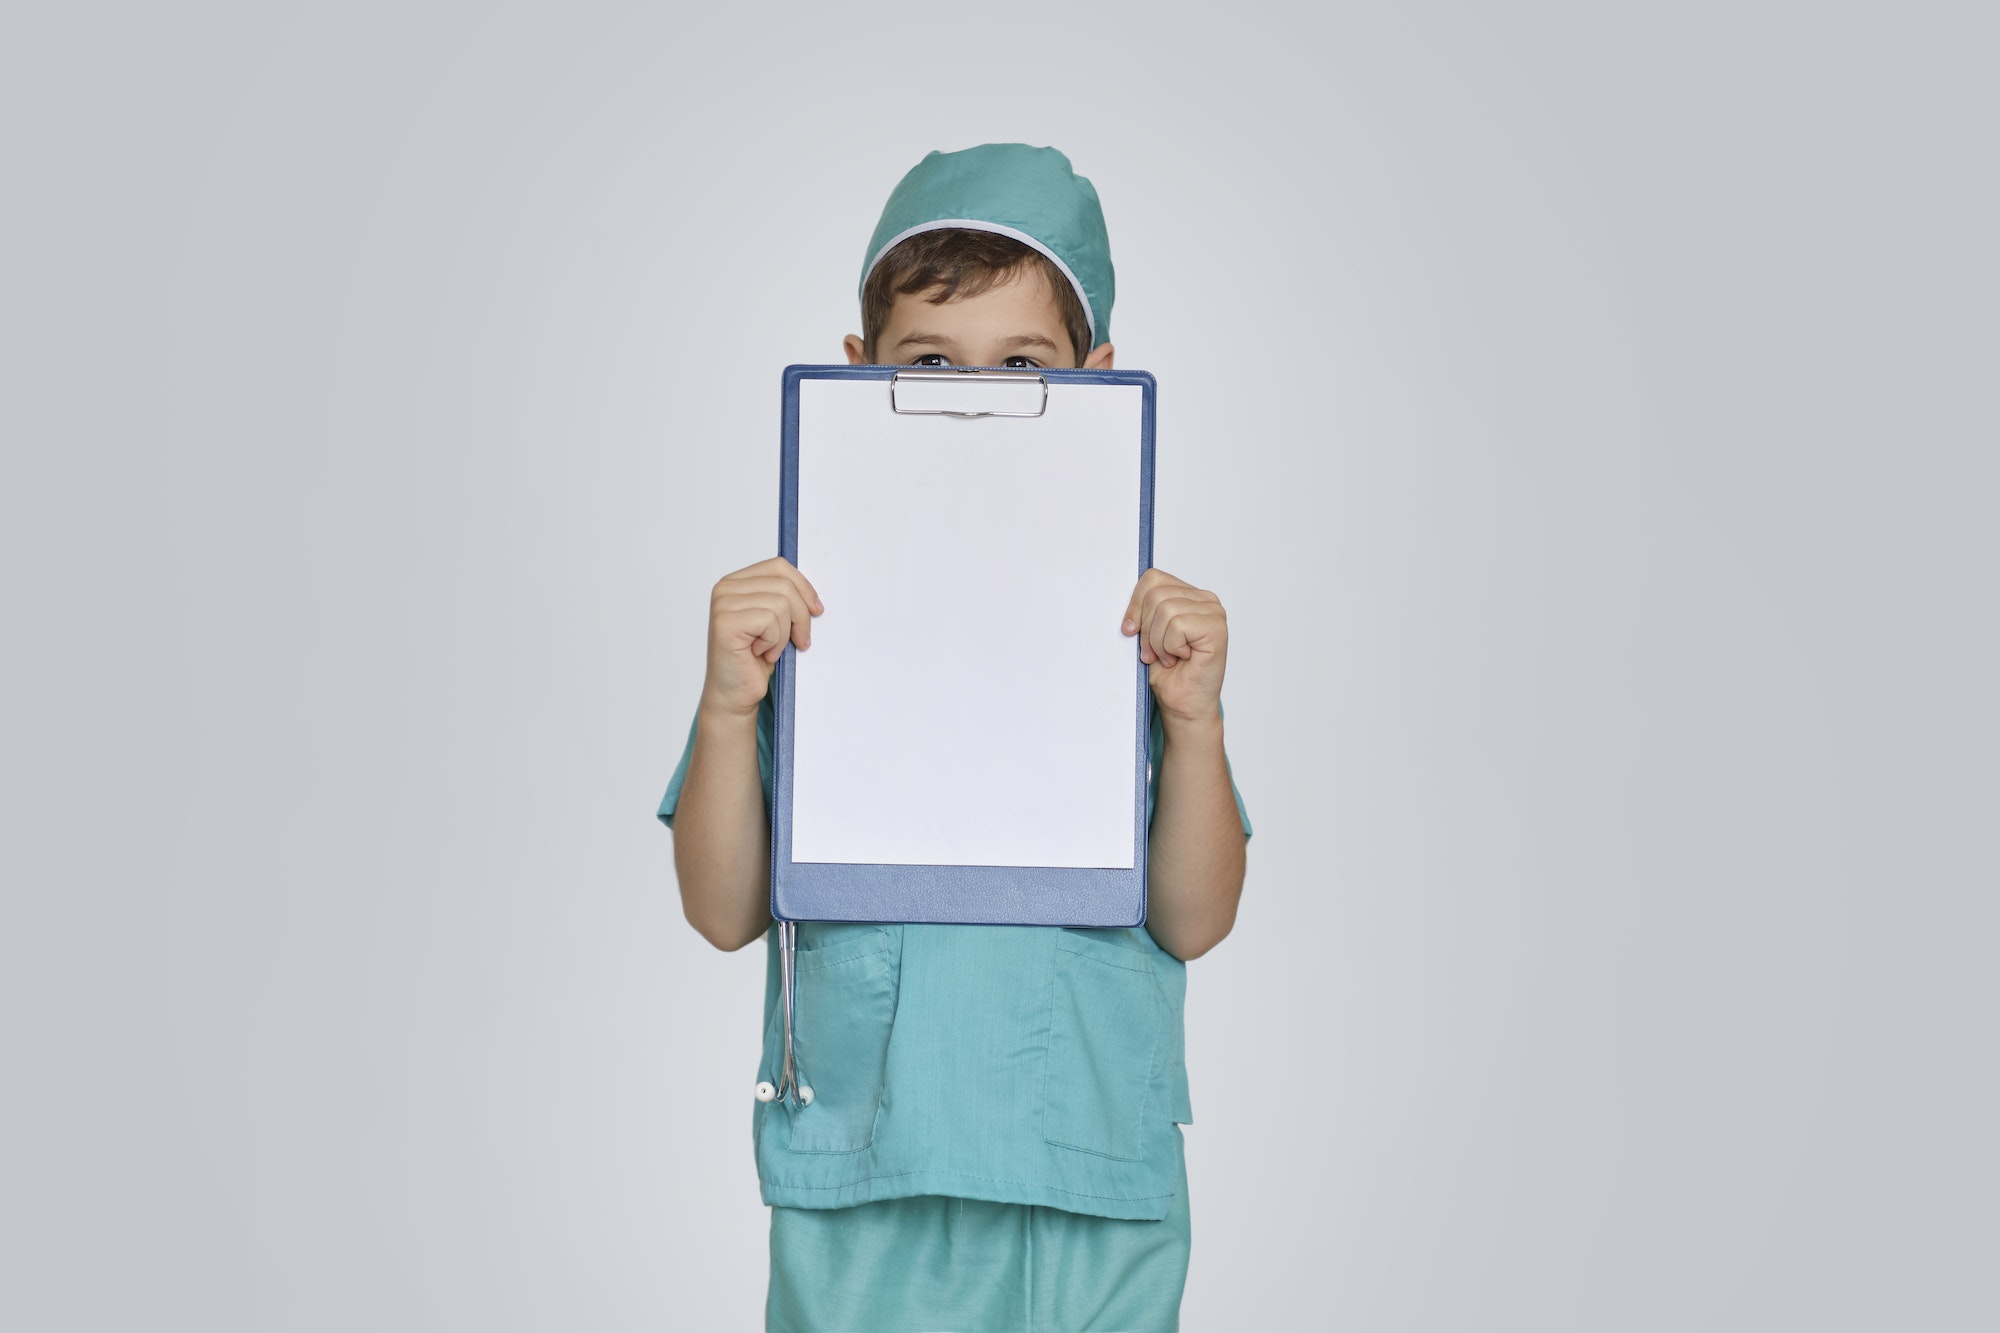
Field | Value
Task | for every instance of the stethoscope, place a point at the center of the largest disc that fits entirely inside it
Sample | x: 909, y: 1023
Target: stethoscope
x: 789, y: 1087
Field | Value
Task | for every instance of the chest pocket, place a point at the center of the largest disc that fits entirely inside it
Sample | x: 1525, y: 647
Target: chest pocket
x: 1106, y: 1025
x: 841, y: 1023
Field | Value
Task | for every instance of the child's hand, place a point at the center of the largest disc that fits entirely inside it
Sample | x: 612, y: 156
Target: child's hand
x: 1184, y: 633
x: 752, y: 615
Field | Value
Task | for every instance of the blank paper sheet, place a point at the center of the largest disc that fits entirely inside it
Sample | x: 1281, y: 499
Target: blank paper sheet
x: 968, y: 698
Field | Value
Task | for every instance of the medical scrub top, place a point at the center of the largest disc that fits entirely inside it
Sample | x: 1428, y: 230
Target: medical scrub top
x: 1016, y: 1064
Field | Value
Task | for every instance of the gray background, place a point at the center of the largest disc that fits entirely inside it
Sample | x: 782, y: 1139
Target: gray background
x: 1586, y: 412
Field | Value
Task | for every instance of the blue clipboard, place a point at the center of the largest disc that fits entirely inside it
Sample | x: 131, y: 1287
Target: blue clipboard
x: 970, y: 894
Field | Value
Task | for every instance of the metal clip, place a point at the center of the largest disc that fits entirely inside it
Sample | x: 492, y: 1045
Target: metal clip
x: 965, y: 391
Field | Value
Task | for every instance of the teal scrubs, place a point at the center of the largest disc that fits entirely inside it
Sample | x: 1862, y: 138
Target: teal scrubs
x: 932, y: 1262
x: 1029, y: 1067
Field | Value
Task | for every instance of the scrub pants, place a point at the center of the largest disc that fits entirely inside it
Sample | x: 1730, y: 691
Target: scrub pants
x: 932, y: 1264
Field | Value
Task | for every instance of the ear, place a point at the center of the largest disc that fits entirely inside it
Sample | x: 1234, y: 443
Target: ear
x: 856, y: 354
x: 1099, y: 358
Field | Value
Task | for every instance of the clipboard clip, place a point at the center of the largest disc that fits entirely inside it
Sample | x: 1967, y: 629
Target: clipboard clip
x: 964, y: 391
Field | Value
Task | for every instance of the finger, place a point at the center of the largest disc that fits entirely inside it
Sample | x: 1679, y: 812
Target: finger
x: 1197, y: 631
x: 770, y: 566
x: 743, y: 599
x: 1154, y: 623
x: 779, y: 567
x: 771, y: 633
x: 1135, y: 609
x: 771, y: 585
x: 1180, y: 634
x: 749, y: 614
x: 1167, y: 629
x: 1150, y: 595
x: 808, y: 594
x: 1137, y: 603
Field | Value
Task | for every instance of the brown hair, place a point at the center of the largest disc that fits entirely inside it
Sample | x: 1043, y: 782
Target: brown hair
x: 958, y: 261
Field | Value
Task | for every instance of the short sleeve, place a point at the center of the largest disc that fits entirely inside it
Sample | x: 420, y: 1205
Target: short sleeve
x: 1156, y: 748
x: 766, y: 725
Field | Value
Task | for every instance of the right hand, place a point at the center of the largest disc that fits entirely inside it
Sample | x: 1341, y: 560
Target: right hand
x: 752, y: 615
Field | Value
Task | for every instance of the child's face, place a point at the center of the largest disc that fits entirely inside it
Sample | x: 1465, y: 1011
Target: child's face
x: 1014, y: 323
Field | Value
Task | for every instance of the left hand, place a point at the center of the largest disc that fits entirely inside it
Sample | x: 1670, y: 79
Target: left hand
x: 1184, y: 635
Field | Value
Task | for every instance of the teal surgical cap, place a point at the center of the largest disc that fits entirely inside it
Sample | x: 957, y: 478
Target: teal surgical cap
x: 1030, y: 194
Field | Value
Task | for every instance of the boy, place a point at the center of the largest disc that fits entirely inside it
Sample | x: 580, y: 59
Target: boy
x: 1008, y: 1154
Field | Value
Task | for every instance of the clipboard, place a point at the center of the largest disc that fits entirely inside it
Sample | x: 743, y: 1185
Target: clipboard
x: 921, y: 773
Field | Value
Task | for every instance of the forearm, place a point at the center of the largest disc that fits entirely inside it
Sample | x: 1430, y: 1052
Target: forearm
x: 722, y: 835
x: 1194, y: 875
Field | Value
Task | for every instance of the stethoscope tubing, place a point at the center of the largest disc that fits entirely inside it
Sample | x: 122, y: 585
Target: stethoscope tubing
x: 789, y: 1088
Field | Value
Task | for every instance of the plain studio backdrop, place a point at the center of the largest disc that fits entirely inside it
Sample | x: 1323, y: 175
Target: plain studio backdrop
x: 1585, y: 412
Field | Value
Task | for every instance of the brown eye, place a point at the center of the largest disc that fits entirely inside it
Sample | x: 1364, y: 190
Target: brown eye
x: 931, y: 359
x: 1021, y: 363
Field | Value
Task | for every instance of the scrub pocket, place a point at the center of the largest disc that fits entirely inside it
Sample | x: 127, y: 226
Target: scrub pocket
x: 1105, y: 1026
x: 846, y: 1007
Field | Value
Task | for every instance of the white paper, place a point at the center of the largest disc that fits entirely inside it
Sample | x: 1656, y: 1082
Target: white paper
x: 968, y: 698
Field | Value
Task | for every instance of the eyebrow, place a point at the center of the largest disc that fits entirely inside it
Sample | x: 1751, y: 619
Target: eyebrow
x: 1019, y: 340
